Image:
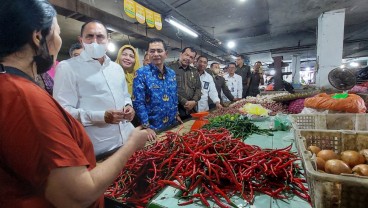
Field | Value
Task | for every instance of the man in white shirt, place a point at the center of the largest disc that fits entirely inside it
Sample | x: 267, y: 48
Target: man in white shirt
x: 208, y: 86
x: 92, y: 88
x: 233, y: 82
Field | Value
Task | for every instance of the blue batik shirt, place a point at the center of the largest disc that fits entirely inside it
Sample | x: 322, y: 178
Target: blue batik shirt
x: 155, y: 97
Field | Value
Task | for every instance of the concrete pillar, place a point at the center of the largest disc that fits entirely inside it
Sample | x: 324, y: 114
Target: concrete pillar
x: 329, y: 44
x: 295, y: 69
x: 277, y: 61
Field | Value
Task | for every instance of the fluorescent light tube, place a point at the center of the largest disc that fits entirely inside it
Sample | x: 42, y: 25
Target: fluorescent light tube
x: 181, y: 26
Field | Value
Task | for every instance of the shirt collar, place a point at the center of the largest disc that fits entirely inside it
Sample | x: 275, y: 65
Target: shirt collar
x: 156, y: 69
x: 181, y: 67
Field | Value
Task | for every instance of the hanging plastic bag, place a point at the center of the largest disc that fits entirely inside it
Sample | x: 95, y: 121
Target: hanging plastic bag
x: 282, y: 122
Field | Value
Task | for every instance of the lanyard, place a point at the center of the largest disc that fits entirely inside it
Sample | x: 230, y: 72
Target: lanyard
x: 15, y: 71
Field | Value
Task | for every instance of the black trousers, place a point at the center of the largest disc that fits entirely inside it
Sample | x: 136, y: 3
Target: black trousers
x: 183, y: 113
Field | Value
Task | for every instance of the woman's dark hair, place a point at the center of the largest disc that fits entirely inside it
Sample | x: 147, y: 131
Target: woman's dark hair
x: 19, y: 19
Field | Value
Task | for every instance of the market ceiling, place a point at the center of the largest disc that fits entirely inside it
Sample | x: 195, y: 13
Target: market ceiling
x: 260, y: 29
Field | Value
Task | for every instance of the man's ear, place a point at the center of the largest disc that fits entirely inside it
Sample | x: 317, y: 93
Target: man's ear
x: 37, y: 37
x: 80, y: 40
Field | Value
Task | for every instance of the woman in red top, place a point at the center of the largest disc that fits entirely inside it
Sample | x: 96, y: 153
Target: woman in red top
x: 46, y: 158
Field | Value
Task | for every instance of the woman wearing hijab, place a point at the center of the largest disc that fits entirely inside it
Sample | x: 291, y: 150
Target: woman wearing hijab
x: 128, y: 58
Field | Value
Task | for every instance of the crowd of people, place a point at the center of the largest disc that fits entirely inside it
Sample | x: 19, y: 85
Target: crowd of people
x: 55, y: 126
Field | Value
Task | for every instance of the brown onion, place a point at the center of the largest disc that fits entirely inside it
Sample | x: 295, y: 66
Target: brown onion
x: 327, y: 155
x: 361, y: 169
x: 364, y: 152
x: 337, y: 167
x: 314, y: 149
x: 320, y: 163
x: 352, y: 158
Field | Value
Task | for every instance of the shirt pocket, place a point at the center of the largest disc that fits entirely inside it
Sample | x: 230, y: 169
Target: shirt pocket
x: 180, y: 81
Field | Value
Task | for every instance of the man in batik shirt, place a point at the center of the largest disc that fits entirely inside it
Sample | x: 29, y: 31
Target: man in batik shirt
x: 155, y: 97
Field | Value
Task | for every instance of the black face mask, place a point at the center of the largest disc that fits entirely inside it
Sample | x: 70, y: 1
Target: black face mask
x: 43, y: 60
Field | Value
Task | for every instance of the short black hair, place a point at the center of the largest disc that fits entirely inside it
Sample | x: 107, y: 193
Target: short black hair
x: 241, y: 56
x: 213, y: 64
x: 73, y: 47
x: 231, y: 63
x: 191, y: 49
x: 201, y: 56
x: 258, y: 62
x: 156, y: 40
x: 95, y: 21
x: 19, y: 19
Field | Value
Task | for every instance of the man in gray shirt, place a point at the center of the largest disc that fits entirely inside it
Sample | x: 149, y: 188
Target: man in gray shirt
x: 189, y: 84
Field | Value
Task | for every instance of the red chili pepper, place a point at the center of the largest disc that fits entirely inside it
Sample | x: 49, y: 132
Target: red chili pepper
x: 173, y: 184
x: 217, y: 200
x: 186, y: 203
x: 204, y: 201
x: 193, y: 186
x: 218, y: 190
x: 179, y: 165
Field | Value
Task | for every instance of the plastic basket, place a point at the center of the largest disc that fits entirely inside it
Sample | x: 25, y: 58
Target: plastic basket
x: 340, y: 121
x: 328, y: 190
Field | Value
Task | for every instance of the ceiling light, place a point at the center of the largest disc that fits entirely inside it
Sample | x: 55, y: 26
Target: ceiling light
x: 354, y: 64
x: 342, y: 66
x: 181, y: 26
x: 242, y: 0
x: 111, y: 47
x: 231, y: 44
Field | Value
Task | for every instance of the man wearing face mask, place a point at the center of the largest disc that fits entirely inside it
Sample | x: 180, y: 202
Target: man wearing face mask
x: 93, y: 89
x: 189, y: 84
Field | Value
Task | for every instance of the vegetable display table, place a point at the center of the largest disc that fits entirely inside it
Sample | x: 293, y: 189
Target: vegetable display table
x: 169, y: 196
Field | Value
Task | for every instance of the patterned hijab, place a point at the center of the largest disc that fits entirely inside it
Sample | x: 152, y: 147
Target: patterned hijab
x: 129, y: 76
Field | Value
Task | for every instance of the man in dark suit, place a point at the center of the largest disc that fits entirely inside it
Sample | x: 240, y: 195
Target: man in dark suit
x: 244, y: 71
x: 220, y: 84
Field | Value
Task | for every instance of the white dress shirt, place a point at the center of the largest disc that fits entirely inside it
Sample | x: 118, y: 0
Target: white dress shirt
x: 86, y: 89
x: 208, y: 90
x: 234, y: 83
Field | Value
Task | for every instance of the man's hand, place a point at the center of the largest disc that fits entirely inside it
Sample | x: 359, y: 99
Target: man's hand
x: 139, y: 137
x: 113, y: 116
x: 189, y: 105
x: 179, y: 119
x: 151, y: 134
x: 218, y: 105
x: 128, y: 113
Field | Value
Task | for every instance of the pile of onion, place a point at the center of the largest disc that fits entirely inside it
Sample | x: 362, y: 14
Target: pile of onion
x: 296, y: 106
x: 348, y: 161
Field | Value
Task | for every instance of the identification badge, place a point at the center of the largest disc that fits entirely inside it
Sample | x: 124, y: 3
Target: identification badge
x: 206, y: 85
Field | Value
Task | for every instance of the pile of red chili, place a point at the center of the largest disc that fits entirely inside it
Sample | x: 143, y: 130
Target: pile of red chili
x: 208, y: 165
